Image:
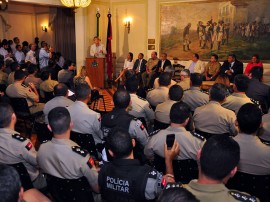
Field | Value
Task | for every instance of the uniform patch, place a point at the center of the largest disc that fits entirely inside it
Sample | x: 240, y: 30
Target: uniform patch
x: 242, y: 197
x: 154, y: 132
x: 99, y: 119
x: 90, y: 162
x: 198, y: 136
x: 142, y: 127
x: 163, y: 183
x: 29, y: 146
x: 18, y: 137
x: 79, y: 150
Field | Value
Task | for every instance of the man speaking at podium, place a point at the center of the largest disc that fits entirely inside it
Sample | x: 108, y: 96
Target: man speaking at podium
x: 97, y: 49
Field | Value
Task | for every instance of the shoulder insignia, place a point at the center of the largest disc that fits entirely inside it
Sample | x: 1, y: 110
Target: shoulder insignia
x: 90, y: 162
x: 79, y: 150
x: 197, y: 135
x: 205, y: 92
x: 266, y: 143
x: 242, y: 197
x: 29, y: 146
x: 152, y: 174
x: 142, y: 126
x: 173, y: 185
x: 44, y: 141
x: 154, y: 132
x: 150, y: 89
x: 141, y: 98
x: 18, y: 137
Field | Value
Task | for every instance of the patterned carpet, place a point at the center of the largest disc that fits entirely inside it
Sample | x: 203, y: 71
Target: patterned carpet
x: 107, y: 95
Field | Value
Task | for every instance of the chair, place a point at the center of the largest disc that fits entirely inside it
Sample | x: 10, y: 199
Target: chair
x: 95, y: 96
x: 159, y: 125
x: 256, y: 185
x: 48, y: 96
x: 208, y: 135
x: 24, y: 175
x: 43, y: 132
x: 86, y: 141
x: 69, y: 190
x: 22, y: 111
x: 184, y: 170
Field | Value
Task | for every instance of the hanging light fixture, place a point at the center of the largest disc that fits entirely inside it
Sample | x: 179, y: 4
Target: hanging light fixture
x: 76, y: 3
x: 3, y: 5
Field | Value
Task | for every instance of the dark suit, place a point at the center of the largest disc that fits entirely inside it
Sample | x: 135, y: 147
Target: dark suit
x: 259, y: 92
x: 166, y: 63
x: 237, y: 69
x: 143, y: 65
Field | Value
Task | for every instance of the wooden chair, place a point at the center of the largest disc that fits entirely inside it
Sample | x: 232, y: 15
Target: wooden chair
x: 69, y: 190
x: 95, y: 96
x: 86, y: 141
x: 24, y: 175
x: 255, y: 185
x: 184, y: 170
x: 22, y: 112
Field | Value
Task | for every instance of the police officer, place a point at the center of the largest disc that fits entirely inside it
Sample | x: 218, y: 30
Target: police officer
x: 194, y: 97
x: 189, y: 143
x: 120, y: 117
x: 62, y: 157
x: 139, y: 106
x: 124, y: 179
x: 85, y: 120
x: 48, y: 84
x: 218, y: 159
x: 15, y: 148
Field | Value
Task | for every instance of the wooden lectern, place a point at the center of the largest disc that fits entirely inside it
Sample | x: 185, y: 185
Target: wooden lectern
x: 96, y: 71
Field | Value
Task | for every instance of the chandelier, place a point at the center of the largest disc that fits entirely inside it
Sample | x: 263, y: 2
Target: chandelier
x: 76, y: 3
x: 3, y: 5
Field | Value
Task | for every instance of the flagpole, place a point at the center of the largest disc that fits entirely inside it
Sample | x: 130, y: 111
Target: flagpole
x: 109, y: 48
x: 98, y: 16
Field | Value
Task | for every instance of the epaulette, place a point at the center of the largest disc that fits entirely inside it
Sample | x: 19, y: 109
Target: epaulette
x: 141, y: 98
x: 197, y: 135
x: 205, y: 91
x: 154, y: 132
x: 173, y: 185
x: 256, y: 102
x: 150, y: 89
x: 242, y: 197
x: 79, y: 150
x: 18, y: 137
x: 152, y: 174
x: 44, y: 141
x: 266, y: 143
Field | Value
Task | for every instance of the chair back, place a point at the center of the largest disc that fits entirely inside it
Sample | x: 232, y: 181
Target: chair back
x: 24, y: 175
x: 20, y: 107
x: 159, y: 125
x: 184, y: 170
x: 69, y: 190
x: 48, y: 96
x: 255, y: 185
x: 43, y: 132
x: 85, y: 141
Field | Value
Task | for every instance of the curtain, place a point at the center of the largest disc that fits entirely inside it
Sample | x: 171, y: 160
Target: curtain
x: 64, y: 33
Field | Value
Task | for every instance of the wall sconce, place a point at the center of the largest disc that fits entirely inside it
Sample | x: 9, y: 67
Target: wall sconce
x: 44, y: 28
x: 128, y: 21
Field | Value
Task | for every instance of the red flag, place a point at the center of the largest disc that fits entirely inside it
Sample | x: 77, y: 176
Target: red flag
x: 109, y: 48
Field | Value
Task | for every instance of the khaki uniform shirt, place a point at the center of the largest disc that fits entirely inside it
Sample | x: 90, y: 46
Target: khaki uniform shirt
x: 32, y: 79
x: 194, y: 97
x: 185, y: 84
x: 59, y: 101
x: 266, y: 127
x: 254, y: 155
x: 162, y: 112
x: 235, y: 101
x: 212, y: 68
x: 151, y: 63
x: 158, y: 95
x: 141, y: 108
x: 216, y: 193
x: 48, y: 85
x: 63, y: 158
x: 17, y: 90
x: 189, y: 143
x: 11, y: 78
x: 85, y: 120
x: 17, y: 149
x: 215, y: 119
x: 156, y: 83
x: 3, y: 77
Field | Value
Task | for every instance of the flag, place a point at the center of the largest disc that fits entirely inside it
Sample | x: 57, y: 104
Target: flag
x: 109, y: 48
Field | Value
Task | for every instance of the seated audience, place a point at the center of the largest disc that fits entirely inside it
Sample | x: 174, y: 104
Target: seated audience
x: 160, y: 94
x: 85, y: 120
x: 162, y: 112
x: 212, y: 68
x: 255, y: 62
x: 82, y: 77
x: 238, y: 97
x: 31, y: 78
x: 189, y: 143
x: 59, y: 59
x: 13, y: 66
x: 3, y: 74
x: 15, y: 148
x: 60, y: 100
x: 258, y: 90
x: 31, y: 55
x: 213, y: 118
x: 128, y: 65
x: 231, y: 67
x: 126, y: 170
x: 140, y: 66
x: 66, y: 75
x: 194, y: 97
x: 170, y: 70
x: 119, y: 117
x: 47, y: 84
x: 195, y: 65
x: 218, y: 162
x: 254, y: 155
x: 151, y: 64
x: 184, y: 79
x: 51, y: 154
x: 3, y: 50
x: 30, y: 93
x: 19, y: 55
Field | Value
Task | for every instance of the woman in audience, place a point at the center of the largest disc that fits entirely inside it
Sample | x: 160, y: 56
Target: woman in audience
x: 255, y: 62
x: 223, y: 79
x: 82, y: 77
x: 128, y: 65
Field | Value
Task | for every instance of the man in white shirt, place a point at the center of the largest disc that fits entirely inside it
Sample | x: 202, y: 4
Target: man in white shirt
x: 4, y: 52
x: 195, y: 65
x: 44, y: 55
x: 16, y: 41
x: 19, y: 55
x: 97, y: 49
x: 31, y: 55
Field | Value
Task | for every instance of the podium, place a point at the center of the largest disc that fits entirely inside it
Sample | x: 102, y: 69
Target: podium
x: 96, y: 71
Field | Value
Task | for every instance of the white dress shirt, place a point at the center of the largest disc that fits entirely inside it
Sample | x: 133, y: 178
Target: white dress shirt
x: 95, y: 50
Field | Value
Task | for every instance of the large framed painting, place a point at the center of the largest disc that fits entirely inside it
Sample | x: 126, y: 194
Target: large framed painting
x: 205, y: 27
